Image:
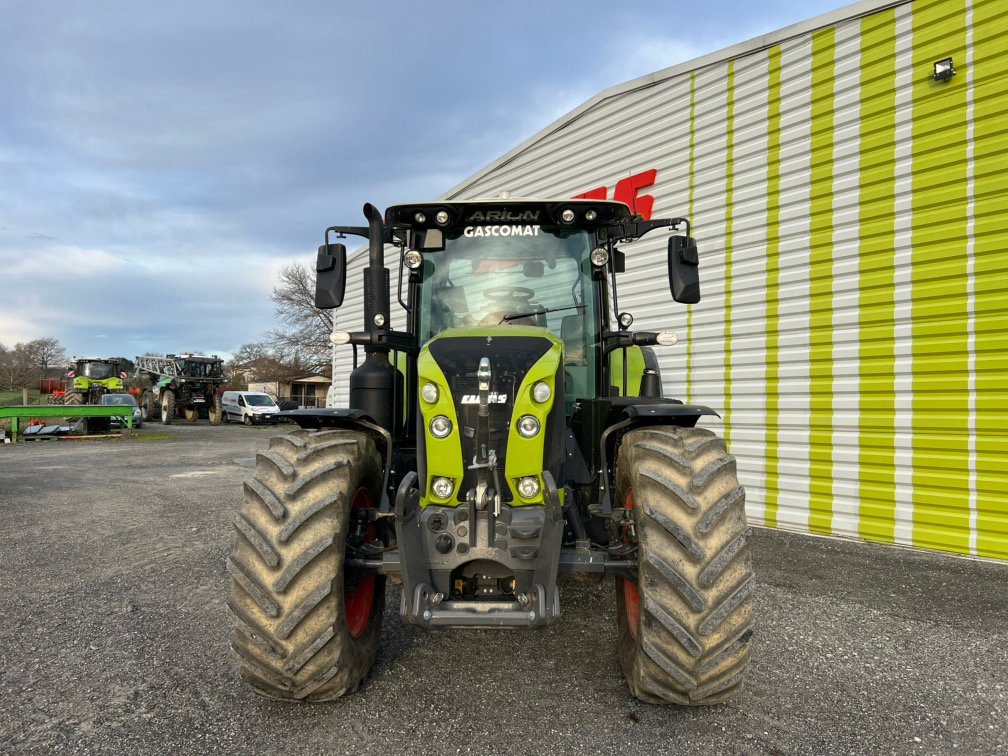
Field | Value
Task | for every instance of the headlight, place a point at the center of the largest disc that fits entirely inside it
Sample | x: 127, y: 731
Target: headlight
x: 413, y: 259
x: 429, y: 393
x: 420, y: 218
x: 591, y: 215
x: 541, y: 392
x: 441, y: 217
x: 442, y: 487
x: 567, y: 216
x: 528, y: 488
x: 528, y: 426
x: 440, y: 426
x: 599, y: 256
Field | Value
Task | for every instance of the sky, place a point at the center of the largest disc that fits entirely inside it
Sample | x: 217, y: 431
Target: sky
x: 159, y: 162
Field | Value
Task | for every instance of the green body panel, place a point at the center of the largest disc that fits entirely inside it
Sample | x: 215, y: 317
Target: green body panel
x: 401, y: 364
x: 83, y: 384
x: 166, y: 382
x: 524, y: 455
x: 444, y: 455
x: 635, y: 370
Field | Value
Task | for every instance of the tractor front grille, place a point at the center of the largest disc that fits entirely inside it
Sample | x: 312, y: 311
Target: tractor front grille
x: 511, y: 357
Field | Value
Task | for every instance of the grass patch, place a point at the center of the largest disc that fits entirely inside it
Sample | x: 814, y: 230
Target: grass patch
x: 13, y: 398
x: 153, y: 436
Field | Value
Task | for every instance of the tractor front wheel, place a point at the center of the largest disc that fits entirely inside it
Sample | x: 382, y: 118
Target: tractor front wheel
x: 685, y: 623
x: 216, y: 411
x: 167, y: 407
x: 306, y: 627
x: 191, y: 414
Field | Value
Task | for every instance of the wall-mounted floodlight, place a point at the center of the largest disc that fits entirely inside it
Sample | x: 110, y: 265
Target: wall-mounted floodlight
x: 943, y: 70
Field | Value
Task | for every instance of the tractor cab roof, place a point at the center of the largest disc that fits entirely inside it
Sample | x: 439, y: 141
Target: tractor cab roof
x: 589, y: 215
x: 196, y: 357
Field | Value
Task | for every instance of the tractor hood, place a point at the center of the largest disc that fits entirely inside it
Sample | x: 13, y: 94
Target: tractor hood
x: 516, y: 359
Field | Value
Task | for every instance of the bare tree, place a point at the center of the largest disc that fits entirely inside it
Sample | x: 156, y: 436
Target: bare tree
x: 22, y: 365
x: 303, y: 339
x: 46, y: 353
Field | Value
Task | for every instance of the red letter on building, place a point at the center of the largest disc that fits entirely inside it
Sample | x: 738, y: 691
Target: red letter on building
x: 626, y: 191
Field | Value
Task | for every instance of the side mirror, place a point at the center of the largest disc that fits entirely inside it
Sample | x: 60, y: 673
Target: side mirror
x: 684, y: 269
x: 330, y: 276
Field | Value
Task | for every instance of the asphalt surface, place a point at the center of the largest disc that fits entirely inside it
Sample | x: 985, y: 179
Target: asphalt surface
x: 114, y: 637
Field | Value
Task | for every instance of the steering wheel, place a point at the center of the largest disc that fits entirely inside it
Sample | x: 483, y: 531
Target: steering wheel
x: 502, y: 293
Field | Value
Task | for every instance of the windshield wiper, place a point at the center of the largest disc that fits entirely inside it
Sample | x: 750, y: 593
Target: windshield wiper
x: 518, y: 316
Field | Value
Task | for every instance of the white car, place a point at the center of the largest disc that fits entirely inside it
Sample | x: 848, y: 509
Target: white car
x: 249, y: 407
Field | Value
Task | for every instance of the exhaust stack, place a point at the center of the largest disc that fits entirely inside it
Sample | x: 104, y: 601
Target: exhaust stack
x: 377, y: 282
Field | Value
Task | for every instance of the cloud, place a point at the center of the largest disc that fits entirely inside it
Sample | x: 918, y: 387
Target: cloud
x: 161, y: 162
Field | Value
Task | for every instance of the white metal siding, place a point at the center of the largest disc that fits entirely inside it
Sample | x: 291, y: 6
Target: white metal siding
x: 810, y: 175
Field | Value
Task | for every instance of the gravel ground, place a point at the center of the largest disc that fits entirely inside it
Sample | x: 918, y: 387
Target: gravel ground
x: 114, y: 637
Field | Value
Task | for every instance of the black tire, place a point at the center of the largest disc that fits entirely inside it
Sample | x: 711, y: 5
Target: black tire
x: 191, y: 414
x: 247, y: 420
x: 216, y: 411
x: 298, y: 632
x: 685, y: 625
x: 74, y: 398
x: 167, y: 406
x: 148, y: 405
x: 51, y: 399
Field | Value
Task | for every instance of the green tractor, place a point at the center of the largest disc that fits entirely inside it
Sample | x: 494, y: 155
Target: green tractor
x: 87, y: 378
x: 510, y: 433
x: 184, y: 385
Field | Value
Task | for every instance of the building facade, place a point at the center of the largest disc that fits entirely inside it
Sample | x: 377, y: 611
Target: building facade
x: 850, y: 203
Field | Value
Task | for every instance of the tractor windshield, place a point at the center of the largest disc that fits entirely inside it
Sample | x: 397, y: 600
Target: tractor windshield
x: 201, y: 369
x: 541, y: 279
x: 97, y: 371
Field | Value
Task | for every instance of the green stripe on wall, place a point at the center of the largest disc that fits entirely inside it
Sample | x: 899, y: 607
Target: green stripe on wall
x: 692, y: 189
x: 773, y: 286
x: 729, y: 208
x: 990, y: 98
x: 877, y: 278
x: 939, y: 270
x: 821, y: 285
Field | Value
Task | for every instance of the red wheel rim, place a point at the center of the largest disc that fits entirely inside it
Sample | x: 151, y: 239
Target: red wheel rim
x: 358, y: 604
x: 631, y: 599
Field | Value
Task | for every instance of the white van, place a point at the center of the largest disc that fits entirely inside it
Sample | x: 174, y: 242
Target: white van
x: 249, y: 407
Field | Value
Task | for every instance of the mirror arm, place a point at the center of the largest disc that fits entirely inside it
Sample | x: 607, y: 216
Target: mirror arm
x: 633, y: 230
x: 341, y: 231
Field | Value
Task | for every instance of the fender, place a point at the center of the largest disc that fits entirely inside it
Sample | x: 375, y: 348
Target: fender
x: 349, y: 419
x: 638, y: 412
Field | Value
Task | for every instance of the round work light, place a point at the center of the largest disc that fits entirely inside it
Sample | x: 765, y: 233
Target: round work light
x: 429, y: 393
x: 440, y: 426
x: 528, y: 426
x: 442, y: 487
x: 528, y: 488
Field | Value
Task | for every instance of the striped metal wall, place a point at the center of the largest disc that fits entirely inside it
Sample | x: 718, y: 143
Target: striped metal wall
x: 851, y: 216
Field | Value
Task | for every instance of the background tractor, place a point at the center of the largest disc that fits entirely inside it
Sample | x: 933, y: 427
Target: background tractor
x: 183, y: 385
x: 516, y: 429
x: 85, y: 381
